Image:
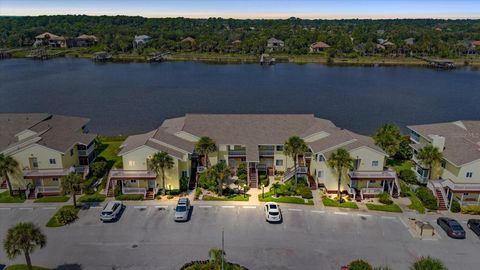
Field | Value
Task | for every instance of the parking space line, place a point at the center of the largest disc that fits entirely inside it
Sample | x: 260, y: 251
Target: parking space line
x: 295, y: 210
x: 341, y: 213
x: 205, y: 206
x: 249, y: 207
x: 5, y: 208
x: 26, y: 208
x: 161, y: 206
x: 318, y: 211
x: 96, y: 207
x: 140, y: 207
x: 388, y: 217
x: 228, y: 206
x: 49, y: 208
x: 363, y: 215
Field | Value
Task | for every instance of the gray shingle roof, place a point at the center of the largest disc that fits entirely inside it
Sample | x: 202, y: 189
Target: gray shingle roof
x: 57, y: 132
x: 462, y: 139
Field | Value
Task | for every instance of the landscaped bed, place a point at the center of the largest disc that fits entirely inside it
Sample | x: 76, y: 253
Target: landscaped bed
x: 92, y: 198
x: 416, y: 204
x: 240, y: 198
x: 6, y: 198
x: 129, y: 197
x: 335, y: 203
x: 52, y: 199
x: 270, y: 197
x: 23, y: 267
x: 384, y: 207
x: 70, y: 216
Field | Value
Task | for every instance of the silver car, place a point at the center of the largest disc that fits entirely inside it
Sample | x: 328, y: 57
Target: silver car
x: 111, y: 211
x: 182, y: 210
x: 272, y: 212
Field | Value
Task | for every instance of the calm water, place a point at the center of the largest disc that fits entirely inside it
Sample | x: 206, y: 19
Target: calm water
x: 136, y: 97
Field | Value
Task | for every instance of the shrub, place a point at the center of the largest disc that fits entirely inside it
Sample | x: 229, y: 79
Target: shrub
x: 67, y: 215
x: 455, y: 208
x: 385, y: 198
x: 98, y: 169
x: 428, y: 263
x: 207, y: 182
x: 88, y: 187
x: 405, y: 189
x: 305, y: 192
x: 173, y: 192
x: 170, y: 197
x: 184, y: 183
x: 408, y: 176
x: 359, y: 265
x: 129, y: 197
x: 198, y: 192
x: 117, y: 191
x: 92, y: 198
x: 428, y: 199
x: 471, y: 209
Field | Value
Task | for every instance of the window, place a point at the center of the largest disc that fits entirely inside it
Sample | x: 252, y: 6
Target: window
x: 133, y: 181
x: 321, y: 158
x: 375, y: 163
x: 184, y: 173
x: 52, y: 161
x: 55, y: 179
x: 279, y: 162
x: 131, y: 163
x: 469, y: 174
x: 279, y: 148
x: 320, y: 174
x: 371, y: 181
x: 71, y: 152
x: 465, y: 194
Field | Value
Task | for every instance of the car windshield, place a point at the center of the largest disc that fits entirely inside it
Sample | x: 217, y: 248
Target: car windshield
x: 181, y: 208
x: 105, y: 213
x: 273, y: 206
x: 273, y: 213
x: 457, y: 228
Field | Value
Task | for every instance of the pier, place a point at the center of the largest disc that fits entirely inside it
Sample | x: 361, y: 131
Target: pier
x: 438, y: 63
x: 102, y: 56
x: 266, y: 59
x: 157, y: 57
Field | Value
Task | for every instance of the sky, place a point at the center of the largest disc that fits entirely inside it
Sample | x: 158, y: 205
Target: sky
x: 267, y: 9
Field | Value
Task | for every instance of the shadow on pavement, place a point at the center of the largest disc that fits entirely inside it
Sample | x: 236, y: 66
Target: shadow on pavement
x: 70, y: 266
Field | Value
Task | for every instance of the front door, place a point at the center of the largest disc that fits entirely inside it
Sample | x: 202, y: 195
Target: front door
x: 38, y: 182
x: 152, y: 184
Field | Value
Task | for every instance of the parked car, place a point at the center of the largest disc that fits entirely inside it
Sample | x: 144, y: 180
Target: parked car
x: 111, y: 211
x: 451, y: 227
x: 272, y: 212
x: 182, y: 210
x: 474, y: 225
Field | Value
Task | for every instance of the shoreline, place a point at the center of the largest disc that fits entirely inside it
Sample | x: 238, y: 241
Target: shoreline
x: 218, y: 58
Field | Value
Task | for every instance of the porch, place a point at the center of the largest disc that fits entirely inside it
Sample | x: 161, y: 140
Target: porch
x: 371, y: 184
x: 465, y: 193
x: 47, y: 182
x: 133, y: 182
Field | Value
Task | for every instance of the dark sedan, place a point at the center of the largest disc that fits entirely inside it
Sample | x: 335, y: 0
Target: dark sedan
x: 474, y: 225
x: 451, y: 227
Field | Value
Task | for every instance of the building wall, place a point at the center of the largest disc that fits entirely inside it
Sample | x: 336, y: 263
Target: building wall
x: 461, y: 176
x: 43, y: 155
x: 367, y: 156
x: 70, y: 160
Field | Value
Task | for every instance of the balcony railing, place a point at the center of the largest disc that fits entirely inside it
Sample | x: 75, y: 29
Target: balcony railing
x: 386, y: 174
x: 47, y: 189
x: 456, y: 187
x: 36, y: 173
x: 237, y: 152
x: 132, y: 174
x: 266, y: 152
x: 133, y: 190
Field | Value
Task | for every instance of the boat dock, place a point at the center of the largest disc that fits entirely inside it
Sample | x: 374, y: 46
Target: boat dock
x: 438, y: 63
x: 102, y: 56
x: 157, y: 57
x: 266, y: 59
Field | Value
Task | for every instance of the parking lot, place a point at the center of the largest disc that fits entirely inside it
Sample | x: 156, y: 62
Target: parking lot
x: 146, y: 237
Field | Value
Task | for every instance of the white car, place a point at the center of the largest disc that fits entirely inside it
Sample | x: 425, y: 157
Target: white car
x: 111, y: 211
x: 272, y: 212
x: 182, y: 210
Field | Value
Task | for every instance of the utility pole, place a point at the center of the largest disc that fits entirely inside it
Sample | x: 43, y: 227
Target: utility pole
x: 223, y: 247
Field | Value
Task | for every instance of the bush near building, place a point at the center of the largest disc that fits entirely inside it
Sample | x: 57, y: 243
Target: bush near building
x: 427, y: 198
x: 385, y: 198
x: 408, y: 176
x: 471, y: 209
x: 131, y: 197
x: 335, y: 203
x: 455, y: 208
x: 92, y: 198
x: 65, y: 215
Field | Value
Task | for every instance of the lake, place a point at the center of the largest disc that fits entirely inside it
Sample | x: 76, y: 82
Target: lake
x: 127, y: 98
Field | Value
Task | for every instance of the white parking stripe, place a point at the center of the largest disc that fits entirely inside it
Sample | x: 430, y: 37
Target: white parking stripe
x: 363, y: 215
x: 96, y: 207
x: 205, y: 206
x: 26, y: 208
x: 340, y: 213
x: 161, y: 206
x: 5, y: 208
x: 140, y: 207
x: 228, y: 206
x: 387, y: 217
x: 249, y: 207
x: 49, y: 208
x: 295, y: 210
x: 318, y: 211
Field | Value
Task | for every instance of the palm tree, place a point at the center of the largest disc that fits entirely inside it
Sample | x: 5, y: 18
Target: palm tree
x: 23, y: 237
x: 8, y: 165
x: 275, y: 187
x: 388, y: 138
x: 429, y: 155
x: 220, y: 171
x: 428, y: 263
x: 205, y: 146
x: 215, y: 255
x: 340, y: 161
x: 158, y: 163
x: 72, y: 184
x: 293, y: 147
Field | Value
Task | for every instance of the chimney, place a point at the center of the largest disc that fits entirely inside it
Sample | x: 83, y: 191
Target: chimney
x: 438, y: 141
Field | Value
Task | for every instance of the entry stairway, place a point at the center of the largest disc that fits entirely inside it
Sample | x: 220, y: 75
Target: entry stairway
x: 441, y: 200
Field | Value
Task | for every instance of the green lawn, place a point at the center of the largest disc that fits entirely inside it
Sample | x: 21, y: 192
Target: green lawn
x: 416, y: 204
x: 384, y: 207
x: 93, y: 198
x: 334, y: 203
x: 6, y: 198
x: 398, y: 166
x: 239, y: 198
x: 52, y: 199
x: 23, y: 267
x: 268, y: 197
x: 53, y: 222
x: 108, y: 148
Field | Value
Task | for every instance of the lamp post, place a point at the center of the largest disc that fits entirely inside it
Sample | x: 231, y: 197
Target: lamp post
x: 244, y: 190
x: 263, y: 193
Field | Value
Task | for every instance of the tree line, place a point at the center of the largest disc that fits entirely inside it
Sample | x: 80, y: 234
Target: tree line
x: 350, y: 38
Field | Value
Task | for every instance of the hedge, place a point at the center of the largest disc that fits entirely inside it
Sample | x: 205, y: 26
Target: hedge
x: 92, y: 198
x: 129, y: 197
x: 471, y: 209
x: 335, y: 203
x: 427, y: 198
x: 60, y: 217
x: 455, y: 208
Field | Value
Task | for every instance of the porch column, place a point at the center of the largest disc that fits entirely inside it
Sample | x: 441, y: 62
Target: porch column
x: 478, y: 200
x: 391, y: 188
x: 461, y: 200
x: 368, y: 181
x: 383, y: 184
x: 451, y: 200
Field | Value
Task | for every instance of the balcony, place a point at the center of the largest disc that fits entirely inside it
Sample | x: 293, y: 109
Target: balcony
x: 237, y: 153
x: 47, y: 173
x: 387, y: 174
x: 133, y: 174
x: 457, y: 187
x: 132, y: 190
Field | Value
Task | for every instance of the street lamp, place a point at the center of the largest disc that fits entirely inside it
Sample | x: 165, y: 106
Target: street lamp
x: 263, y: 193
x: 244, y: 190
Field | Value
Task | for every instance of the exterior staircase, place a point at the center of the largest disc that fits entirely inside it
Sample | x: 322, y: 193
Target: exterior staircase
x: 3, y: 184
x: 31, y: 195
x: 150, y: 195
x: 312, y: 183
x: 253, y: 178
x: 441, y: 200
